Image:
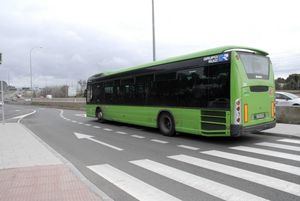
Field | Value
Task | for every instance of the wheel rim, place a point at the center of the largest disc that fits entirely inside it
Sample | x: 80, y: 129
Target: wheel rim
x: 166, y: 124
x: 100, y: 115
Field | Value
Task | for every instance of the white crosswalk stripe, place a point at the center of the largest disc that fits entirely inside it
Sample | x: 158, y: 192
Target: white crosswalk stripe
x: 290, y: 141
x: 267, y: 152
x: 255, y: 161
x: 208, y: 186
x: 279, y: 146
x: 188, y: 147
x: 159, y: 141
x: 265, y: 180
x: 133, y: 186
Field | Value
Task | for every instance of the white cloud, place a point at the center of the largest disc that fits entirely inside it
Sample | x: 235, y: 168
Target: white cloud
x: 80, y: 38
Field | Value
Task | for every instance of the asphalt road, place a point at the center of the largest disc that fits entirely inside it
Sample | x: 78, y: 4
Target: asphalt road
x: 136, y: 163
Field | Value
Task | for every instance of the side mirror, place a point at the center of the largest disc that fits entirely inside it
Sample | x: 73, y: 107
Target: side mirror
x: 85, y: 93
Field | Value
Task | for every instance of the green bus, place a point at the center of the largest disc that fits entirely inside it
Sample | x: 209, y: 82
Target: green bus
x: 225, y: 91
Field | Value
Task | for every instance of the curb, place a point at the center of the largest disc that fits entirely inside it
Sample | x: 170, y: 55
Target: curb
x: 82, y: 178
x: 278, y: 135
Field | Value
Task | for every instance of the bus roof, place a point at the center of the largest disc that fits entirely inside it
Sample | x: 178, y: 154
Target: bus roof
x: 208, y: 52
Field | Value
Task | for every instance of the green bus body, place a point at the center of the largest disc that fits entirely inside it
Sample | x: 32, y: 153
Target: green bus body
x: 251, y: 99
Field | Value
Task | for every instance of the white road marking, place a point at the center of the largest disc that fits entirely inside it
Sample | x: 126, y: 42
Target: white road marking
x: 205, y: 185
x: 23, y: 116
x: 290, y: 141
x: 96, y: 126
x: 61, y: 114
x: 121, y: 132
x: 17, y: 110
x: 80, y: 115
x: 131, y: 185
x: 188, y: 147
x: 107, y: 129
x: 137, y: 136
x: 74, y: 121
x: 87, y: 124
x: 90, y: 137
x: 279, y: 146
x: 159, y: 141
x: 265, y: 180
x: 80, y: 123
x: 255, y: 161
x: 267, y: 152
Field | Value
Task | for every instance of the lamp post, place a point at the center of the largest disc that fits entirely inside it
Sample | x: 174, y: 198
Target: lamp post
x: 2, y: 94
x: 30, y: 65
x: 153, y: 31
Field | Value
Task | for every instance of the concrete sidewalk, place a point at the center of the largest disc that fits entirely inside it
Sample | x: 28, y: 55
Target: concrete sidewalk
x: 29, y: 171
x: 284, y: 130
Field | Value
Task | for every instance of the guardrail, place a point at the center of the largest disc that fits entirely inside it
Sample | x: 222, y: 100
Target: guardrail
x: 60, y: 100
x: 289, y: 115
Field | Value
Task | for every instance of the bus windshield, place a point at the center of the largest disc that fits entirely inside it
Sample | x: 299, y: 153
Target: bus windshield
x: 256, y: 66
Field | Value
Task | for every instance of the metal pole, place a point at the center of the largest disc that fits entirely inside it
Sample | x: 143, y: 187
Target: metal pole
x: 30, y: 66
x: 153, y: 31
x: 2, y: 99
x: 30, y: 71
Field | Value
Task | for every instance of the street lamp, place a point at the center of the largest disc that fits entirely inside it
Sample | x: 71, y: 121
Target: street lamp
x: 31, y: 68
x: 2, y: 94
x: 153, y: 32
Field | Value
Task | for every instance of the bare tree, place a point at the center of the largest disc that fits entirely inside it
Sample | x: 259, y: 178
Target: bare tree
x: 82, y: 87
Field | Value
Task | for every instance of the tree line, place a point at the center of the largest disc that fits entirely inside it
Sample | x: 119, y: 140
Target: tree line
x: 292, y: 82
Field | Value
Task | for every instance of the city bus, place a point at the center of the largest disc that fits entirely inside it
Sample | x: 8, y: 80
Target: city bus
x: 225, y: 91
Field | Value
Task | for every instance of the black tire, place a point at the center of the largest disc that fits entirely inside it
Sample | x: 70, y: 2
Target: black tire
x: 99, y: 115
x: 166, y: 124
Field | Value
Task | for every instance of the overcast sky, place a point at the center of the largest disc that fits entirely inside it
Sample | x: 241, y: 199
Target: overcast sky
x: 81, y: 38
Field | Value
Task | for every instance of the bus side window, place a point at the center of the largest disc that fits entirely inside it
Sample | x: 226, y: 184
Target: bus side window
x: 219, y: 86
x: 89, y: 94
x: 142, y: 88
x: 96, y: 95
x: 108, y: 92
x: 192, y: 87
x: 127, y: 91
x: 117, y: 92
x: 163, y: 91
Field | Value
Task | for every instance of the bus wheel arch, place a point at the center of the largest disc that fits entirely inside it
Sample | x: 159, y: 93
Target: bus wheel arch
x: 166, y: 123
x: 99, y: 114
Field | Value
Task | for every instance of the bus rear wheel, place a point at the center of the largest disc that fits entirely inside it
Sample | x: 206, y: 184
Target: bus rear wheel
x: 166, y: 124
x: 99, y: 115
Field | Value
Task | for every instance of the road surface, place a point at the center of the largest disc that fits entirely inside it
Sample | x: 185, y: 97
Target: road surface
x: 136, y: 163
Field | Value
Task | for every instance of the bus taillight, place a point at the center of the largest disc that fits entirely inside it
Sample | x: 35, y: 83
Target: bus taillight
x: 273, y: 109
x: 237, y: 112
x: 245, y: 113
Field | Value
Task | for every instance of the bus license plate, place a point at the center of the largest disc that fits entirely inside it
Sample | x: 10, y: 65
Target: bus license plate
x: 260, y: 116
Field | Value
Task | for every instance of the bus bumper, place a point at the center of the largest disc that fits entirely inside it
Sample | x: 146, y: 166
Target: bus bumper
x: 238, y: 130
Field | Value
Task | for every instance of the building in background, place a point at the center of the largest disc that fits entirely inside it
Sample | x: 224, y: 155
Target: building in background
x: 4, y: 85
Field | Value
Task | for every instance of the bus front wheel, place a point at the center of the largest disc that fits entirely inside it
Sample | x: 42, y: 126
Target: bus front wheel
x: 99, y: 115
x: 166, y: 124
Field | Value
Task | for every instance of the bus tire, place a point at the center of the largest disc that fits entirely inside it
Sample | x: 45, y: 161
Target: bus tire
x: 99, y: 115
x: 166, y: 124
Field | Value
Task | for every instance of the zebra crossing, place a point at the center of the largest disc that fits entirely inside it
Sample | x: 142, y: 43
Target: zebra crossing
x: 286, y: 149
